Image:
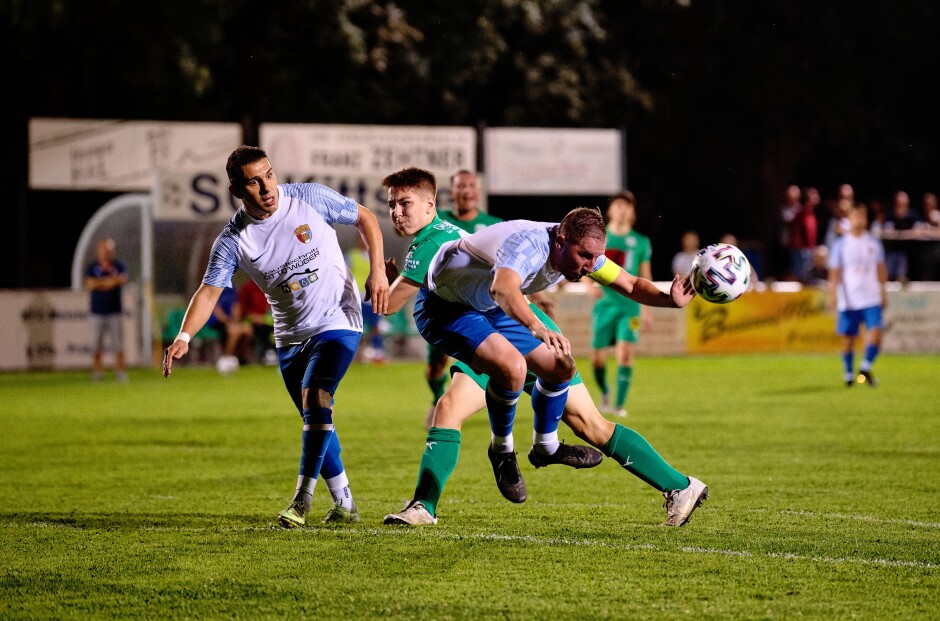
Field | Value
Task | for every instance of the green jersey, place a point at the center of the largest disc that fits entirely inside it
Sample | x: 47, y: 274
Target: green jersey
x: 629, y: 251
x: 425, y: 245
x: 482, y: 221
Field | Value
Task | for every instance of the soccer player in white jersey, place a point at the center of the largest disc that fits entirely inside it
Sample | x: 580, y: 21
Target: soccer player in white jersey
x: 412, y: 207
x: 857, y: 276
x: 473, y: 307
x: 283, y: 238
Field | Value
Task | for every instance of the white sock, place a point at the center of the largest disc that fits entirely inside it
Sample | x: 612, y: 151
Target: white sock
x: 501, y: 444
x: 304, y: 489
x: 339, y: 490
x: 545, y: 443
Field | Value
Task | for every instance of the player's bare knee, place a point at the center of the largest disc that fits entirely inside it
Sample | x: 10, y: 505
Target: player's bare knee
x: 321, y: 398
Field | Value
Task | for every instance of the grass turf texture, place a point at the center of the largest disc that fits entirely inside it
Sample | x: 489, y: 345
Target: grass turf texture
x: 157, y: 500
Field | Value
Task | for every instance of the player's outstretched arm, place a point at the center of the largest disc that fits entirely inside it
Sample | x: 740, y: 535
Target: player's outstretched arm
x: 643, y: 290
x: 197, y: 314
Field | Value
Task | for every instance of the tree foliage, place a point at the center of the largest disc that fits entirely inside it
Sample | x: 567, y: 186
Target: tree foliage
x: 724, y: 102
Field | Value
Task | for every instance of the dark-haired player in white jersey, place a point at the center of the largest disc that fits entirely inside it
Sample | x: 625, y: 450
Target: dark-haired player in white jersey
x: 283, y: 238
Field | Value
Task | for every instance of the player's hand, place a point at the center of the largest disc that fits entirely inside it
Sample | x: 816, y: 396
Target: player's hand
x: 681, y: 290
x: 391, y: 270
x: 555, y: 341
x: 175, y: 351
x: 377, y: 292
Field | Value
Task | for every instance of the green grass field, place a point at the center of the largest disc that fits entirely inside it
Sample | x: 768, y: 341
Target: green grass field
x: 157, y: 500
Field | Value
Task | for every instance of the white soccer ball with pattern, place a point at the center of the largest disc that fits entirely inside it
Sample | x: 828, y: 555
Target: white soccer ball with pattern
x: 720, y: 273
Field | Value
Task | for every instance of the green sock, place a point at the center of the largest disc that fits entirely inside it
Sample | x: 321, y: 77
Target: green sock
x: 633, y: 452
x: 600, y: 376
x: 624, y: 375
x: 437, y: 463
x: 437, y: 385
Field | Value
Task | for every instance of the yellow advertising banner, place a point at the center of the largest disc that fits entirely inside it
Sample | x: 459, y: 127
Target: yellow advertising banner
x: 763, y: 321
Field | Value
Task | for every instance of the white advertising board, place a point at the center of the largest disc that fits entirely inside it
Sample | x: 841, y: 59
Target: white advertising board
x: 51, y: 329
x: 373, y: 150
x: 553, y: 161
x: 122, y: 156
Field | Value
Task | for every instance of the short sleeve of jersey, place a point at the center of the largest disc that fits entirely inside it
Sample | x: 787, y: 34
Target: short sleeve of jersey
x: 223, y: 259
x: 524, y: 252
x: 418, y: 259
x: 330, y: 204
x: 835, y: 257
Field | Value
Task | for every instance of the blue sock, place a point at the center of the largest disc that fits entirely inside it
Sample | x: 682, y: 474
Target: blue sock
x: 332, y: 462
x: 848, y: 361
x: 871, y: 352
x: 548, y: 403
x: 501, y: 407
x: 318, y: 432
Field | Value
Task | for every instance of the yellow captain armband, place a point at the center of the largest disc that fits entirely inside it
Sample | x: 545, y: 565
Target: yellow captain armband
x: 606, y: 273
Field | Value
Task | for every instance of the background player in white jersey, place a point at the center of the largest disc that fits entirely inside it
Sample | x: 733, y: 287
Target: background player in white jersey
x: 283, y: 238
x: 474, y: 308
x: 857, y: 276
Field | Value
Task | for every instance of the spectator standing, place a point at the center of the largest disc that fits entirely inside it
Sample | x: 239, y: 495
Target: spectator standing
x: 804, y: 230
x: 682, y: 260
x: 105, y: 279
x: 902, y: 218
x: 789, y: 214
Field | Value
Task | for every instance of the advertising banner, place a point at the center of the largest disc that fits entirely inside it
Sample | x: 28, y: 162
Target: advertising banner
x: 122, y: 156
x: 763, y: 321
x: 349, y: 151
x: 553, y: 161
x: 51, y: 329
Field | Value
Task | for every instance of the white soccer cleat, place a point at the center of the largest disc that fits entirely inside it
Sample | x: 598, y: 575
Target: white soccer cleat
x: 414, y: 514
x: 680, y: 503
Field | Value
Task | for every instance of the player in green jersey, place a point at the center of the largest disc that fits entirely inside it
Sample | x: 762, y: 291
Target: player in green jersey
x: 616, y: 320
x: 466, y: 214
x: 412, y: 211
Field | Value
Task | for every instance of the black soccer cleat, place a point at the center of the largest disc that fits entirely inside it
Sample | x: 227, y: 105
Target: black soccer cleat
x: 508, y: 478
x: 865, y: 377
x: 574, y: 455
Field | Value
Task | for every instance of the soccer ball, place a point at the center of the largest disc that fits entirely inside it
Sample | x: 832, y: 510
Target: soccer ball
x: 226, y: 364
x: 720, y: 273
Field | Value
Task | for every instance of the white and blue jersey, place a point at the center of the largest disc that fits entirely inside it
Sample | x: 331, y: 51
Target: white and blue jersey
x: 296, y: 260
x: 462, y: 270
x: 858, y: 257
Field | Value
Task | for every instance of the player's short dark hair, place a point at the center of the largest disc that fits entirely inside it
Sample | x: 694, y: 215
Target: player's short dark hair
x: 626, y: 196
x: 412, y: 177
x: 242, y: 156
x: 581, y: 223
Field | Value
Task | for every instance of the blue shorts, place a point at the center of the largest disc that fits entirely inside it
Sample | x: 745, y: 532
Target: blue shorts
x: 849, y: 320
x: 458, y: 330
x: 320, y: 362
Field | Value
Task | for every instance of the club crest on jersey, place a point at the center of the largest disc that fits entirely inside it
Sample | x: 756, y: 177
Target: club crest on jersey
x: 303, y: 234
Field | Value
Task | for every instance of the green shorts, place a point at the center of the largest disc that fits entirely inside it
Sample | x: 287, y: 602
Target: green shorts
x: 611, y: 325
x: 482, y: 379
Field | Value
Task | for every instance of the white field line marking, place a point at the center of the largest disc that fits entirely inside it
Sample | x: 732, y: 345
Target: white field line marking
x: 849, y: 516
x: 553, y: 541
